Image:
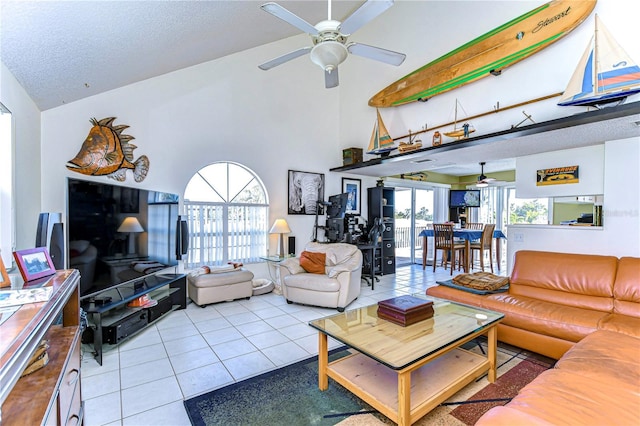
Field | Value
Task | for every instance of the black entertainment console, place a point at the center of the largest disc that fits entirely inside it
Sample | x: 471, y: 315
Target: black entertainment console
x: 112, y: 321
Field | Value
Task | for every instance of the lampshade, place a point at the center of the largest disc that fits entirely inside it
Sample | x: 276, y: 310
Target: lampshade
x: 482, y: 184
x: 280, y: 226
x: 328, y: 55
x: 130, y: 224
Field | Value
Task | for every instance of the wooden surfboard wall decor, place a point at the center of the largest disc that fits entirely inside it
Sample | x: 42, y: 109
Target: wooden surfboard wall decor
x: 488, y: 54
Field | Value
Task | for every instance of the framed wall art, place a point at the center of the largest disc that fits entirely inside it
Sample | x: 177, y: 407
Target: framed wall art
x: 34, y: 263
x: 352, y: 187
x: 306, y: 189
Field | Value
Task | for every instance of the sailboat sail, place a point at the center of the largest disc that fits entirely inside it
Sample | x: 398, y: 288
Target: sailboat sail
x: 380, y: 142
x: 459, y: 132
x: 604, y: 74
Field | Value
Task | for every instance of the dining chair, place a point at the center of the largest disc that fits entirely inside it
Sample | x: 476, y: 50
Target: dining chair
x: 475, y: 226
x: 443, y: 240
x: 485, y: 244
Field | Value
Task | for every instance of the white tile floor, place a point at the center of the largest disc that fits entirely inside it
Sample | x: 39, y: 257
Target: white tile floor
x: 196, y: 350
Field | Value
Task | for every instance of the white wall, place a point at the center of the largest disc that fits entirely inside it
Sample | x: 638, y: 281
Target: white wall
x: 590, y: 162
x: 284, y: 119
x: 620, y: 234
x: 26, y: 140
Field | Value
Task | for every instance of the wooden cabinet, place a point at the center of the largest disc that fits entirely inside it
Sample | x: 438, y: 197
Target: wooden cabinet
x: 380, y: 202
x: 50, y: 395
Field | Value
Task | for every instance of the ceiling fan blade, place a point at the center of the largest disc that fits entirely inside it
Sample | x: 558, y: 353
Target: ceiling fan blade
x: 280, y: 12
x: 376, y: 53
x: 364, y: 14
x: 284, y: 58
x: 331, y: 79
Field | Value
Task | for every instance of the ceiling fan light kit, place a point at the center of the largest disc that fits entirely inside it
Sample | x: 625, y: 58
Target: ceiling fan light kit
x: 328, y: 55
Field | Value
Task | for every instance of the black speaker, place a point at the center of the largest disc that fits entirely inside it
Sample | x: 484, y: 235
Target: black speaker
x: 291, y: 247
x: 42, y: 230
x: 56, y: 246
x: 182, y: 238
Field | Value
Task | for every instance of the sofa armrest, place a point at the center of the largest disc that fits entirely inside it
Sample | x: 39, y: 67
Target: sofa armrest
x: 292, y: 266
x: 354, y: 263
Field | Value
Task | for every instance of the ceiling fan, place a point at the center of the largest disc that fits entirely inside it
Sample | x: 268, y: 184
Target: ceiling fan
x: 483, y: 181
x: 330, y: 47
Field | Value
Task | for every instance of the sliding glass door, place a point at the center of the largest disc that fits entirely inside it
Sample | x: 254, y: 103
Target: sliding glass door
x: 413, y: 212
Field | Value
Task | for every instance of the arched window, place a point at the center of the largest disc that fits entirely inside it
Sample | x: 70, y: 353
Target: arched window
x: 226, y: 207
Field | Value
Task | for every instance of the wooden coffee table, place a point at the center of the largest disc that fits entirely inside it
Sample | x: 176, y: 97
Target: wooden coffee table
x: 405, y: 372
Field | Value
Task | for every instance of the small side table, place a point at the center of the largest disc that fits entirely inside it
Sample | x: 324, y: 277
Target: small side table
x: 274, y: 262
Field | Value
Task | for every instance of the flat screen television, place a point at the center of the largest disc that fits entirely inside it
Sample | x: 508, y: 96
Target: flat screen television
x: 464, y: 198
x: 103, y: 255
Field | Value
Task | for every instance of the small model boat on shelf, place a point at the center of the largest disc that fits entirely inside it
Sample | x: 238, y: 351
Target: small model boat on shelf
x: 412, y: 145
x: 381, y: 143
x: 461, y: 132
x: 605, y: 73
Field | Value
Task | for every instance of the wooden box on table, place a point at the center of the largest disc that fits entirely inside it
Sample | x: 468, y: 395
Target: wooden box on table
x: 405, y: 310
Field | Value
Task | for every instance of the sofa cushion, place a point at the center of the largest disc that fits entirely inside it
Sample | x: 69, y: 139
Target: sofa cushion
x: 550, y: 319
x: 337, y: 253
x: 313, y: 262
x: 621, y: 323
x: 563, y: 397
x: 550, y: 276
x: 626, y: 289
x: 315, y: 282
x: 606, y: 356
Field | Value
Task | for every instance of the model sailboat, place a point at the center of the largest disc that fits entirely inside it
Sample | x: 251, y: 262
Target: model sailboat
x: 381, y: 142
x: 459, y: 132
x: 605, y: 73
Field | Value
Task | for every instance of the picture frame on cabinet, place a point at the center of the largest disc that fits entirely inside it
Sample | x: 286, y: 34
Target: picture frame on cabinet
x: 34, y: 263
x: 5, y: 281
x: 354, y: 201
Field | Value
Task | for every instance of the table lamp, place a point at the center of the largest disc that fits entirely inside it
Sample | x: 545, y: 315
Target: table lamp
x: 280, y: 226
x: 131, y: 226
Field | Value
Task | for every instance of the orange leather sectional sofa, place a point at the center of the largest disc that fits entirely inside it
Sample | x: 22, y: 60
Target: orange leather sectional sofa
x: 583, y: 310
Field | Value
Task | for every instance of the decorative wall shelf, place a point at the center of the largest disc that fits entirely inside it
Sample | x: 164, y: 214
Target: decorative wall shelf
x: 583, y: 129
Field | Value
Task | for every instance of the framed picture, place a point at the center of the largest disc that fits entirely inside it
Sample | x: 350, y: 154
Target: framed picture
x: 34, y: 263
x: 352, y: 187
x: 306, y: 190
x: 4, y: 279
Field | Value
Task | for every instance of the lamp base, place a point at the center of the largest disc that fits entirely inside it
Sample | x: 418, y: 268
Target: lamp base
x: 281, y: 246
x: 131, y: 246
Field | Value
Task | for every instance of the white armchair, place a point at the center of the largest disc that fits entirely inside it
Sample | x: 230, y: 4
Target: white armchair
x: 339, y: 286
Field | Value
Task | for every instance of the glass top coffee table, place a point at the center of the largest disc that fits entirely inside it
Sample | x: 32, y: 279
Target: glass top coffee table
x: 405, y: 372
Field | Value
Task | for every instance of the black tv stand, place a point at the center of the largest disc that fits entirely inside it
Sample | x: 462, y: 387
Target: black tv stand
x: 113, y: 322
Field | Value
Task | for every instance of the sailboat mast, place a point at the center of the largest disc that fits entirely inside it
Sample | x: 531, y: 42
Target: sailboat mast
x: 596, y: 61
x: 455, y: 115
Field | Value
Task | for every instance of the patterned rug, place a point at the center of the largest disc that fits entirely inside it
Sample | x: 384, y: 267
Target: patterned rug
x: 290, y: 396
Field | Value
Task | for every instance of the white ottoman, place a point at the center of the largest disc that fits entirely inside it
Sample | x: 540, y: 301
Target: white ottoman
x: 219, y: 287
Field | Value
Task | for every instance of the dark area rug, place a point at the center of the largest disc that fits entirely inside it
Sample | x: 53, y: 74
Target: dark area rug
x: 286, y: 396
x: 505, y: 387
x: 290, y: 396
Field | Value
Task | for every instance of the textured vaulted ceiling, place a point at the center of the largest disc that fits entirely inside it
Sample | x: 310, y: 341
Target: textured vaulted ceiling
x: 62, y: 51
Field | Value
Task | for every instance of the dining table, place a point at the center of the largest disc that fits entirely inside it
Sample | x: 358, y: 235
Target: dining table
x: 467, y: 235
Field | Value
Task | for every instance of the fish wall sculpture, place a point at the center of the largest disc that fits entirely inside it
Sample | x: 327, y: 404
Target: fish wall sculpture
x: 107, y: 152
